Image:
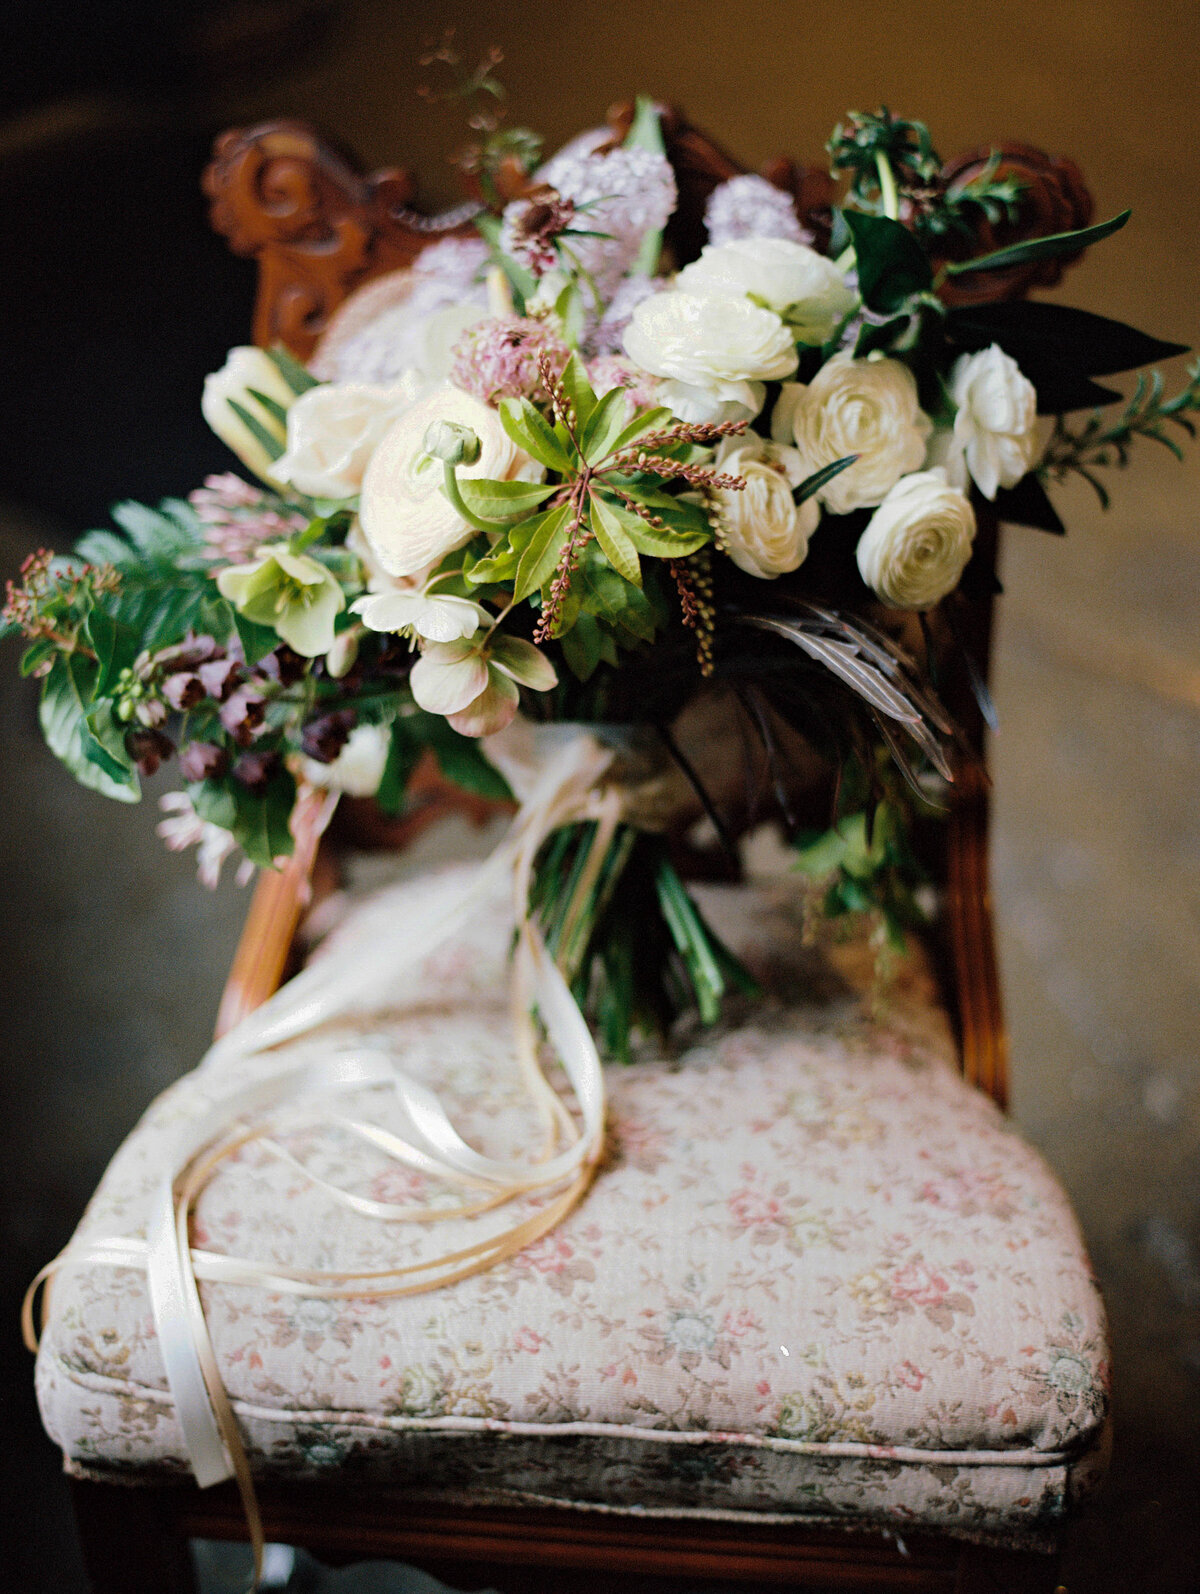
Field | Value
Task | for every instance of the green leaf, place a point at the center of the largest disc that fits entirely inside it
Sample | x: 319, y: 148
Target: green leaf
x: 547, y: 535
x: 155, y: 535
x: 271, y: 444
x: 66, y: 696
x: 257, y: 640
x: 103, y: 548
x: 583, y: 646
x: 615, y: 541
x: 891, y: 263
x: 1047, y: 248
x: 270, y: 406
x: 522, y: 282
x: 608, y: 421
x: 644, y: 421
x: 214, y: 802
x: 115, y: 645
x: 404, y: 754
x: 261, y: 826
x: 623, y: 608
x: 530, y: 430
x: 672, y: 541
x: 578, y: 389
x: 106, y: 745
x: 645, y: 132
x: 460, y: 758
x: 495, y: 500
x: 820, y: 478
x: 290, y: 369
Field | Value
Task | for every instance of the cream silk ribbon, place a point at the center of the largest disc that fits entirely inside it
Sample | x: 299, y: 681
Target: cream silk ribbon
x: 564, y: 786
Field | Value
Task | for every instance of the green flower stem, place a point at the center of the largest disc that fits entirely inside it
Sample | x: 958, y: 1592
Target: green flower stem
x: 691, y: 941
x: 887, y: 186
x: 450, y: 488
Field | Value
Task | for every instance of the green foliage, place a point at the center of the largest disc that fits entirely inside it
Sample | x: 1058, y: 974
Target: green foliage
x: 93, y: 749
x: 867, y: 860
x: 892, y: 266
x: 1106, y: 442
x: 1048, y: 247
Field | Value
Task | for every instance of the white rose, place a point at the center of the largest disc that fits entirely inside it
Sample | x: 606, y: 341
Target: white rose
x: 917, y: 542
x: 995, y: 429
x: 795, y: 281
x: 245, y: 368
x: 763, y: 530
x: 358, y: 768
x: 865, y: 407
x: 333, y: 430
x: 405, y: 516
x: 722, y: 346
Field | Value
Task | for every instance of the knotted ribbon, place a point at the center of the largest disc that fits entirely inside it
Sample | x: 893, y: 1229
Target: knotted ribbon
x: 569, y: 780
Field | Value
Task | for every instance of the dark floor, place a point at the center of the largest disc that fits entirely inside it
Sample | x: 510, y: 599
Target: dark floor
x: 116, y: 301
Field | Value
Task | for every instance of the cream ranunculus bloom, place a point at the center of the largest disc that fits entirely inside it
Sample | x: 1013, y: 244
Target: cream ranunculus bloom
x: 406, y: 518
x: 764, y: 531
x: 995, y: 427
x: 245, y: 368
x: 723, y: 347
x: 865, y: 407
x: 795, y: 281
x: 917, y: 542
x: 333, y: 430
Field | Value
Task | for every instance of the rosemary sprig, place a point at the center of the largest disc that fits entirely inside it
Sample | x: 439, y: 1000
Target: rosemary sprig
x: 1101, y: 441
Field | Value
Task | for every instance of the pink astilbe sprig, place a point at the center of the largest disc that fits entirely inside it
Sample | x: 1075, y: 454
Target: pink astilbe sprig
x: 238, y: 517
x: 503, y: 357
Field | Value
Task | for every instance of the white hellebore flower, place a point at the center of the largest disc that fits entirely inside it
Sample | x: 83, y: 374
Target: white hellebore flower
x: 293, y: 593
x: 437, y: 617
x: 246, y: 368
x: 800, y: 285
x: 763, y: 530
x: 995, y: 429
x: 357, y: 769
x: 713, y: 350
x: 917, y: 542
x: 475, y: 685
x: 333, y: 430
x: 865, y: 407
x: 406, y: 518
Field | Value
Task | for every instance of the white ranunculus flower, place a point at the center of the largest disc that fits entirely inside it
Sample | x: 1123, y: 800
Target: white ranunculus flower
x: 795, y: 281
x: 917, y: 542
x: 995, y: 428
x: 764, y: 531
x: 405, y: 516
x: 333, y: 430
x: 707, y: 406
x: 245, y: 368
x: 719, y: 345
x: 865, y: 407
x: 357, y: 769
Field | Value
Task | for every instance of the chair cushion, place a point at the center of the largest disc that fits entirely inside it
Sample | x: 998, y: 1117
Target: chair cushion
x: 818, y: 1276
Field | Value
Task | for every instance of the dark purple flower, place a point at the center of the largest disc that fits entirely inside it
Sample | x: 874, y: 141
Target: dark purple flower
x: 242, y: 715
x: 254, y: 770
x: 148, y: 749
x: 183, y: 690
x: 323, y: 738
x: 220, y: 676
x: 203, y: 761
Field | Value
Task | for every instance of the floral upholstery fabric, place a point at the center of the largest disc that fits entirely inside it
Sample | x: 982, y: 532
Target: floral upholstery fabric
x: 818, y: 1276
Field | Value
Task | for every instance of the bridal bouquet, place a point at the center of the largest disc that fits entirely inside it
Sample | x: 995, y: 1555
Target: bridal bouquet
x: 590, y: 479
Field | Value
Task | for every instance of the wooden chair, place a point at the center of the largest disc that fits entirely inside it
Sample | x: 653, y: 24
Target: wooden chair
x: 318, y: 230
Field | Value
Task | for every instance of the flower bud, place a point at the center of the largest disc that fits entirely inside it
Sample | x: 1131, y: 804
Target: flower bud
x: 203, y: 761
x: 148, y: 749
x: 452, y: 442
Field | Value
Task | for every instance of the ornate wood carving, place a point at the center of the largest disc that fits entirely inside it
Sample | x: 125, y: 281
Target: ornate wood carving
x: 317, y: 227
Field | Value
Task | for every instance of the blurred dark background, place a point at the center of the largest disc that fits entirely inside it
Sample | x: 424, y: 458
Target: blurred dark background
x: 115, y: 300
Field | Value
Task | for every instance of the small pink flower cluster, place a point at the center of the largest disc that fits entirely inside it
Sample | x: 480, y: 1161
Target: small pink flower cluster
x: 498, y: 358
x: 239, y: 517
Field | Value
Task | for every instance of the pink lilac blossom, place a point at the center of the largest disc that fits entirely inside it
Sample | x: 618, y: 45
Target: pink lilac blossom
x: 498, y: 358
x: 751, y: 207
x: 628, y: 193
x: 612, y: 370
x: 238, y: 517
x: 456, y: 264
x: 183, y: 828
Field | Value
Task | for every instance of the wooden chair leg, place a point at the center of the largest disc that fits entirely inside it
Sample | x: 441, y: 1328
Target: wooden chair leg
x: 127, y: 1542
x: 984, y: 1571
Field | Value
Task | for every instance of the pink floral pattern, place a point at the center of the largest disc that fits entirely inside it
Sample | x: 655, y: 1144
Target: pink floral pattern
x: 818, y: 1276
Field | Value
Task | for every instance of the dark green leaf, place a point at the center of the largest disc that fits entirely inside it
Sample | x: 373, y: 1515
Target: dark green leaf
x: 820, y: 478
x: 546, y: 536
x: 1027, y: 504
x: 267, y: 440
x: 461, y: 758
x: 66, y: 697
x: 103, y: 548
x: 404, y: 754
x: 257, y: 640
x: 1043, y: 337
x: 494, y: 500
x: 269, y: 406
x: 530, y: 430
x: 261, y: 827
x: 214, y: 802
x: 105, y: 746
x: 614, y: 540
x: 1047, y: 248
x: 891, y: 263
x: 608, y: 421
x: 583, y: 646
x: 293, y: 373
x: 578, y: 389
